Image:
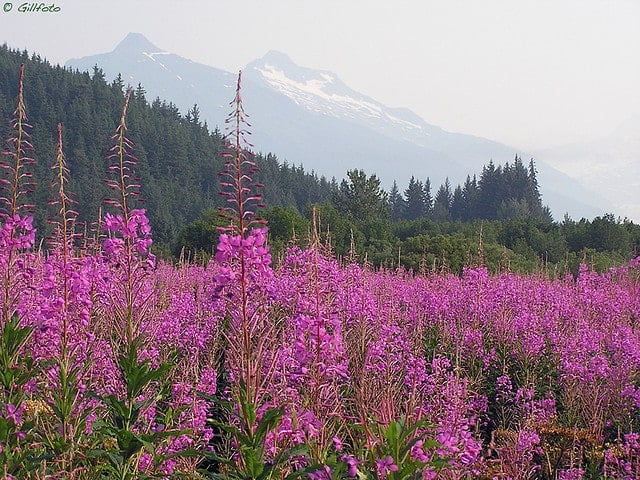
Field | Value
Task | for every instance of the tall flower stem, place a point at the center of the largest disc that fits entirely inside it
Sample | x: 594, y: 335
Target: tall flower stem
x: 120, y: 167
x: 67, y: 397
x: 14, y: 187
x: 237, y: 186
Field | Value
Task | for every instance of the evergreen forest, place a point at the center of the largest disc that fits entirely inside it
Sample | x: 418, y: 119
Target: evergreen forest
x: 497, y: 217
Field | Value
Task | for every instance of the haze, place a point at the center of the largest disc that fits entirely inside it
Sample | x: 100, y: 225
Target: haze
x: 529, y: 74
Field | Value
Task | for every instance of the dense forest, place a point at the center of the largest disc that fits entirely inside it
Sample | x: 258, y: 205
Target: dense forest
x: 496, y: 217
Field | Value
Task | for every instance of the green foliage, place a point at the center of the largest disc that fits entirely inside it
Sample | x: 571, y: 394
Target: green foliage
x: 200, y: 237
x: 400, y: 438
x: 250, y: 434
x: 335, y: 227
x: 12, y: 341
x: 144, y: 386
x: 417, y: 200
x: 361, y: 197
x: 394, y: 450
x: 285, y: 224
x: 64, y: 427
x: 17, y: 372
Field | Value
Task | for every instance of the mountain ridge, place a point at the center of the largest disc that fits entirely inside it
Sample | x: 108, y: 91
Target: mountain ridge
x: 311, y: 117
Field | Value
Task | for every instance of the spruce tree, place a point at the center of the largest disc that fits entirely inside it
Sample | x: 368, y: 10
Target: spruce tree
x: 490, y: 195
x: 442, y: 202
x: 397, y: 205
x: 458, y: 204
x: 470, y: 193
x: 428, y: 200
x: 414, y: 198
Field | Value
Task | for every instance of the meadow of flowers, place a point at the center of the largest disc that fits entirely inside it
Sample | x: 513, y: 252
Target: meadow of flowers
x: 115, y: 365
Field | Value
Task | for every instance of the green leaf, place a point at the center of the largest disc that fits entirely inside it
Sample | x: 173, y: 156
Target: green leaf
x: 115, y: 459
x: 234, y: 431
x: 137, y: 375
x: 128, y: 443
x: 13, y: 338
x: 430, y: 443
x: 392, y: 432
x: 118, y: 410
x: 4, y: 429
x: 269, y: 421
x: 214, y: 457
x: 252, y: 459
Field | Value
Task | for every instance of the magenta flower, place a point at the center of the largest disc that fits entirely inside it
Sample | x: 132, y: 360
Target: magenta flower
x: 385, y: 466
x: 13, y: 413
x: 113, y: 223
x: 337, y: 443
x: 324, y: 474
x: 352, y: 464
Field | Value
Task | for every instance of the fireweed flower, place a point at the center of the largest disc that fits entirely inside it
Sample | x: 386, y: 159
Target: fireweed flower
x: 136, y: 230
x: 385, y: 466
x: 254, y: 252
x: 13, y: 413
x: 504, y: 389
x: 352, y: 464
x: 113, y: 223
x: 417, y: 452
x: 571, y: 474
x: 323, y: 474
x: 16, y: 233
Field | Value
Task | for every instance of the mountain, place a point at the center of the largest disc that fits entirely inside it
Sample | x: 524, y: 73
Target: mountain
x: 311, y: 117
x: 605, y: 164
x: 165, y: 75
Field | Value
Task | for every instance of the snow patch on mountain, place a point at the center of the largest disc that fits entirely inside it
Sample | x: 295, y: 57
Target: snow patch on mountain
x: 151, y: 56
x: 314, y: 94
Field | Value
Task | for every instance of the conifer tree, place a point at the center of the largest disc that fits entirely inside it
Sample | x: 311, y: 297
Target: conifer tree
x: 470, y: 192
x: 397, y: 204
x: 414, y: 198
x: 428, y: 200
x: 458, y: 204
x: 442, y: 202
x: 361, y: 197
x: 531, y: 192
x: 489, y: 197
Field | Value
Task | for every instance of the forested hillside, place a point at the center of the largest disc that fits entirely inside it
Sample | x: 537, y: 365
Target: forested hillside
x: 178, y: 157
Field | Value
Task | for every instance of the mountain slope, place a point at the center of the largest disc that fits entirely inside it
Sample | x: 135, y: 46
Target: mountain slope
x: 310, y: 117
x: 605, y: 164
x: 165, y: 75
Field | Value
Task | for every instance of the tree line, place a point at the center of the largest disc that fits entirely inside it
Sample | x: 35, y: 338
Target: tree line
x: 500, y: 193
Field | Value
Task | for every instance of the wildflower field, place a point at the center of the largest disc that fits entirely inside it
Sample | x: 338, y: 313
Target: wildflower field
x: 115, y: 365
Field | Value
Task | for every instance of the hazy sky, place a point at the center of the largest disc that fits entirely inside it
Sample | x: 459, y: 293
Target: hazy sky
x: 531, y: 74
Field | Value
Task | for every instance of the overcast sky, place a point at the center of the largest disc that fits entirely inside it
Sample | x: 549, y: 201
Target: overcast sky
x: 531, y: 74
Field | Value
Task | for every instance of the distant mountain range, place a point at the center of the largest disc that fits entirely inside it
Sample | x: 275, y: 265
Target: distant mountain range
x: 610, y: 164
x: 310, y: 117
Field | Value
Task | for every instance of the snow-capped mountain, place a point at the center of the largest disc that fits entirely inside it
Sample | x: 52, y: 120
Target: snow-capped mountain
x: 323, y: 92
x: 165, y: 75
x: 311, y: 117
